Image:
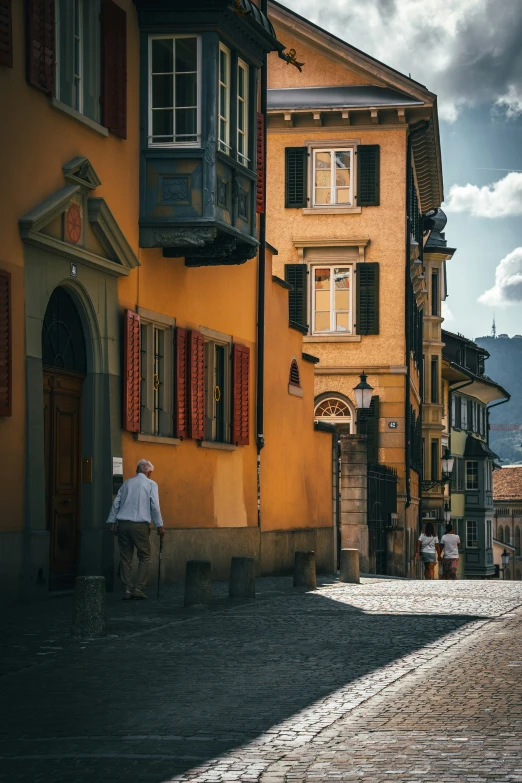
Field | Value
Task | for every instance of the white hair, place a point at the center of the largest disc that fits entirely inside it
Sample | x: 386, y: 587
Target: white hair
x: 144, y: 466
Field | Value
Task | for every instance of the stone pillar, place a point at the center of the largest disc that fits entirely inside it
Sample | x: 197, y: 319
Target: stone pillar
x: 304, y: 570
x: 242, y: 580
x: 354, y: 471
x: 349, y: 571
x: 90, y: 608
x: 198, y: 583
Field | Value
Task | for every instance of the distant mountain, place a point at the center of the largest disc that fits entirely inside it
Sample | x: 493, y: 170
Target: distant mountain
x: 505, y: 366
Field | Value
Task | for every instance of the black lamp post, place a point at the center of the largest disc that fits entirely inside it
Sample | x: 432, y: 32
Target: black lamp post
x: 505, y: 557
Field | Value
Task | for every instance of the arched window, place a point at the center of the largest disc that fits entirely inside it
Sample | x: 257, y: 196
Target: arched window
x: 334, y: 409
x: 517, y: 540
x: 63, y: 341
x: 507, y: 535
x: 500, y: 533
x: 295, y: 378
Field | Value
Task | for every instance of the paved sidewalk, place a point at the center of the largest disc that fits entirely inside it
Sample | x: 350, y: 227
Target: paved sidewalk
x: 399, y: 680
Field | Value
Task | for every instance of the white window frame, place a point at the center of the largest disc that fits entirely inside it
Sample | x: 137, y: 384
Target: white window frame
x: 224, y: 144
x: 472, y: 462
x: 472, y: 526
x: 333, y: 187
x: 176, y: 144
x: 244, y: 104
x: 210, y: 388
x: 331, y: 266
x: 150, y: 325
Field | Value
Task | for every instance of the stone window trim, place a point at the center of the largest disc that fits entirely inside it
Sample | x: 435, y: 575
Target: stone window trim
x: 76, y: 115
x: 332, y: 144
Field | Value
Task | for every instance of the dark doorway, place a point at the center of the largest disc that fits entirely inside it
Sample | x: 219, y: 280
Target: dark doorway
x: 64, y: 368
x: 382, y: 502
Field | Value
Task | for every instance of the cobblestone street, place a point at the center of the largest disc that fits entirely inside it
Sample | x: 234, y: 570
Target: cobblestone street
x: 387, y: 680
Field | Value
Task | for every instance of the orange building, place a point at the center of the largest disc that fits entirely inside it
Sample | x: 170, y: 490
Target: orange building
x: 353, y: 166
x: 131, y: 319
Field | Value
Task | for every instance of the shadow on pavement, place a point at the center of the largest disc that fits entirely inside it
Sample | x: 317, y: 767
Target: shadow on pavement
x: 149, y: 707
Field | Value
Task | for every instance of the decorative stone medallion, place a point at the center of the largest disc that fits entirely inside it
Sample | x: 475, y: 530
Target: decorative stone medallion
x: 73, y: 224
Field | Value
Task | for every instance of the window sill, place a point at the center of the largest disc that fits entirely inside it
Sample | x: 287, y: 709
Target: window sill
x: 214, y: 444
x: 332, y: 338
x: 296, y: 391
x: 332, y: 210
x: 76, y: 115
x: 144, y: 438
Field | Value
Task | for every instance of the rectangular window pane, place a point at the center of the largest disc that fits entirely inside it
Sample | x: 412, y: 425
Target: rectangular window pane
x: 162, y: 124
x: 342, y: 322
x: 242, y: 113
x: 322, y: 321
x: 162, y: 55
x: 323, y: 196
x: 186, y: 55
x: 186, y: 90
x: 322, y: 160
x: 162, y: 91
x: 186, y: 124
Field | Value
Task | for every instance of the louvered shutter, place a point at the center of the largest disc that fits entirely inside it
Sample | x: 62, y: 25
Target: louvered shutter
x: 196, y: 394
x: 40, y: 44
x: 296, y: 170
x: 260, y: 149
x: 131, y: 372
x: 297, y: 276
x: 181, y: 377
x: 368, y: 424
x: 6, y: 356
x: 368, y: 175
x: 367, y: 290
x: 240, y: 394
x: 114, y: 81
x: 6, y: 34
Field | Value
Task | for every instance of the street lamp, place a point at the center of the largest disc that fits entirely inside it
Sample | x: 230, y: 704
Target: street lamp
x: 447, y: 514
x: 447, y: 463
x: 363, y: 393
x: 505, y: 562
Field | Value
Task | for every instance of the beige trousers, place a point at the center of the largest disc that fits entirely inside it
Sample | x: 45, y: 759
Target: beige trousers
x: 134, y: 535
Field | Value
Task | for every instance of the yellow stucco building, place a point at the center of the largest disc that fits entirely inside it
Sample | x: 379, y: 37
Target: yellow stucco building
x: 353, y: 164
x: 132, y: 260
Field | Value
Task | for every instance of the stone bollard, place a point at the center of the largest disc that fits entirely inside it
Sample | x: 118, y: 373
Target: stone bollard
x: 349, y: 571
x: 242, y: 579
x: 304, y: 570
x: 198, y: 583
x: 90, y: 608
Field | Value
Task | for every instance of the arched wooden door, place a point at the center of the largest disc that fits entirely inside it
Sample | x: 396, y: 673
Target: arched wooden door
x: 64, y: 368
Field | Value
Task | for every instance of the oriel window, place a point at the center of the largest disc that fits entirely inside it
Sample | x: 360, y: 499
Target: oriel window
x: 242, y: 113
x: 472, y: 474
x: 224, y: 99
x: 174, y: 85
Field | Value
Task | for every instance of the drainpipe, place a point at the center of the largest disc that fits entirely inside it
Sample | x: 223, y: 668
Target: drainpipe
x: 261, y: 297
x: 409, y: 305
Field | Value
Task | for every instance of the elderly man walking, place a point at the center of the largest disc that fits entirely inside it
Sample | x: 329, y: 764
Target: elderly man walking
x: 134, y: 507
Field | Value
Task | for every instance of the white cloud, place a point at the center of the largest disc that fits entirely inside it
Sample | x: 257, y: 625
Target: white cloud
x: 508, y: 282
x: 510, y: 103
x: 466, y: 51
x: 446, y: 312
x: 499, y: 199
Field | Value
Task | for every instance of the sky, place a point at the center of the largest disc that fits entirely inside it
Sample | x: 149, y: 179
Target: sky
x: 468, y: 52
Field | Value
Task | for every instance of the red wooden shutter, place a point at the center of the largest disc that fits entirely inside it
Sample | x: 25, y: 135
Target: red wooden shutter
x: 131, y: 372
x: 181, y: 377
x: 196, y: 361
x: 240, y: 394
x: 114, y: 89
x: 40, y: 45
x: 6, y: 354
x: 260, y: 187
x: 6, y: 34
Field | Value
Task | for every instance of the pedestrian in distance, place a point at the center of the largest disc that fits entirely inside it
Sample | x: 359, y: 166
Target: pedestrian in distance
x: 134, y: 507
x: 427, y: 550
x: 449, y: 543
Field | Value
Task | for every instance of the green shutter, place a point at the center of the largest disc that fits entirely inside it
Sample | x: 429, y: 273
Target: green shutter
x: 368, y: 175
x: 367, y: 289
x: 297, y: 276
x: 296, y: 169
x: 368, y: 424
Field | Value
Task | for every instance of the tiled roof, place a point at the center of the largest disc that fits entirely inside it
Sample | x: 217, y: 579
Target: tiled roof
x: 507, y: 483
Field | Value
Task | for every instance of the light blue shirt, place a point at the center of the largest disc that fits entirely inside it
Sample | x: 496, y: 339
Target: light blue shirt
x: 137, y: 501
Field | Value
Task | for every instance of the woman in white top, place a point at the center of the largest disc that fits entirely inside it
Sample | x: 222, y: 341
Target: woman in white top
x: 427, y: 549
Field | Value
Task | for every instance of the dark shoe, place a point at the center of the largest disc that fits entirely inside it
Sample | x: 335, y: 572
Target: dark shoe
x: 127, y: 595
x: 138, y: 594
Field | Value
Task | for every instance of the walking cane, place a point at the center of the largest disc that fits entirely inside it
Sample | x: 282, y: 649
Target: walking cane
x: 159, y: 563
